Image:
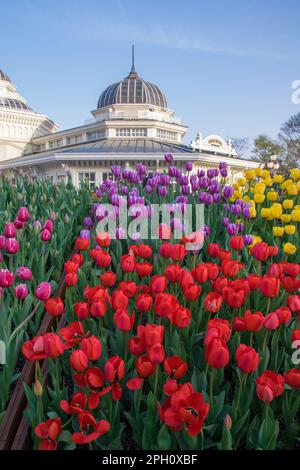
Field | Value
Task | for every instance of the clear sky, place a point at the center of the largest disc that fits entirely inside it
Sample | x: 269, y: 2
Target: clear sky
x: 226, y: 66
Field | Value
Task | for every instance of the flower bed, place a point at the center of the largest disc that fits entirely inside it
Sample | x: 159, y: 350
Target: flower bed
x: 171, y: 348
x: 37, y: 225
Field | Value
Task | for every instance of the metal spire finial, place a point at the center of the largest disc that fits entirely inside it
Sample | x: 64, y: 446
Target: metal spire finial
x: 132, y: 73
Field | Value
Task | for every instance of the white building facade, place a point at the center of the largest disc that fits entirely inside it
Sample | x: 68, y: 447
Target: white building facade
x: 132, y: 123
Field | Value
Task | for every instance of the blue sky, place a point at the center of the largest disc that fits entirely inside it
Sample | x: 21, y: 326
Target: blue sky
x: 226, y: 66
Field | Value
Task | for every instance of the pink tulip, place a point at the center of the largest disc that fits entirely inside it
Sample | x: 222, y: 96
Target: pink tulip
x: 9, y: 230
x: 45, y: 235
x: 43, y: 291
x: 24, y: 273
x: 6, y: 278
x: 48, y: 225
x: 21, y: 291
x: 12, y: 246
x: 23, y: 214
x: 19, y: 224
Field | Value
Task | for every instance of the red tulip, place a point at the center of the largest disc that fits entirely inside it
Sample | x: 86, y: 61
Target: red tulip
x: 123, y: 321
x: 119, y: 300
x: 293, y: 303
x: 144, y: 302
x: 192, y: 292
x: 177, y: 252
x: 181, y: 317
x: 156, y: 353
x: 200, y: 273
x: 43, y: 347
x: 90, y: 430
x: 158, y: 284
x: 108, y: 279
x: 82, y: 244
x: 270, y: 286
x: 271, y: 321
x: 129, y: 288
x: 213, y: 250
x: 175, y: 367
x: 54, y: 306
x: 213, y: 302
x: 48, y: 431
x: 91, y: 347
x: 98, y: 308
x: 72, y: 334
x: 79, y: 360
x: 114, y: 369
x: 143, y: 269
x: 232, y: 298
x: 269, y: 386
x: 260, y: 251
x: 247, y: 359
x: 217, y: 354
x: 127, y: 263
x: 77, y: 404
x: 144, y: 366
x: 237, y: 243
x: 292, y: 378
x: 82, y: 310
x: 173, y: 272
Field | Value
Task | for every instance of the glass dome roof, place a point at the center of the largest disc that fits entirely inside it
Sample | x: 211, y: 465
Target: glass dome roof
x: 13, y: 103
x: 4, y: 77
x: 132, y: 90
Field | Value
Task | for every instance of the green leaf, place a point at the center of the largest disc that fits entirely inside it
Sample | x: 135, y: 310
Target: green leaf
x: 163, y: 439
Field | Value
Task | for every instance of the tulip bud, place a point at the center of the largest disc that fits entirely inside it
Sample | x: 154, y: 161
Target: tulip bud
x: 67, y: 219
x: 43, y: 291
x: 38, y: 388
x: 21, y: 291
x: 228, y: 422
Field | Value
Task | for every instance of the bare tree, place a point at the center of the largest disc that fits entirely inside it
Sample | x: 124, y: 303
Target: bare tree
x: 289, y: 136
x: 264, y: 147
x: 241, y: 145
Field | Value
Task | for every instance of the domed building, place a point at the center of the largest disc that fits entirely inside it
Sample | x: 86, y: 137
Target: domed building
x: 18, y: 122
x: 132, y: 123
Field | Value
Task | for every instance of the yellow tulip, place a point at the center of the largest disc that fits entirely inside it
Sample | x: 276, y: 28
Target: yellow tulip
x: 268, y: 181
x: 289, y: 248
x: 258, y: 172
x: 259, y: 198
x: 238, y: 194
x: 278, y: 231
x: 295, y: 173
x: 266, y: 213
x: 286, y: 183
x: 292, y: 190
x: 285, y: 218
x: 265, y: 174
x: 259, y: 188
x: 246, y: 198
x: 242, y: 181
x: 278, y: 179
x: 276, y: 210
x: 253, y: 212
x: 295, y: 215
x: 272, y: 196
x: 249, y: 175
x: 288, y: 204
x: 290, y: 229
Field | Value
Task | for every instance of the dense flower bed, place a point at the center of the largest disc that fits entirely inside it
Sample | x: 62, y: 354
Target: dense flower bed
x: 38, y: 223
x: 165, y: 347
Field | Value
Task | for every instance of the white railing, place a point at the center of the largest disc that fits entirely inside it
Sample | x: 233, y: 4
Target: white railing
x: 154, y: 116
